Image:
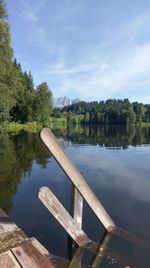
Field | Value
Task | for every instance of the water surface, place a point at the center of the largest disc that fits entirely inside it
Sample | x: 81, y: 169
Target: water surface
x: 115, y: 162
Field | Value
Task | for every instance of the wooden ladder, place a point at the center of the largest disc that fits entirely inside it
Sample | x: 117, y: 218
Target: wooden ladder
x: 73, y: 225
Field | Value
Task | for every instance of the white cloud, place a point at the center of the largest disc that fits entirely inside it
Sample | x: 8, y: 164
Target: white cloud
x: 103, y: 80
x: 30, y: 11
x: 113, y: 66
x: 30, y: 15
x: 84, y: 50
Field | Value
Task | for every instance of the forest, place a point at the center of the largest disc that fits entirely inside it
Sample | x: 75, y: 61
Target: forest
x: 21, y: 102
x: 111, y: 111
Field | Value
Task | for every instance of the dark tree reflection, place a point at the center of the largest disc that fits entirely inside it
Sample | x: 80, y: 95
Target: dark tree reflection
x: 17, y: 153
x: 108, y: 136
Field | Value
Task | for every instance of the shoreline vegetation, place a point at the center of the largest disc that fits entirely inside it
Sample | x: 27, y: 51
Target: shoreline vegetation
x: 15, y: 127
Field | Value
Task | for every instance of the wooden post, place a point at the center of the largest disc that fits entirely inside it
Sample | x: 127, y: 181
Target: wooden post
x: 77, y: 179
x: 63, y: 217
x: 78, y: 207
x: 77, y: 215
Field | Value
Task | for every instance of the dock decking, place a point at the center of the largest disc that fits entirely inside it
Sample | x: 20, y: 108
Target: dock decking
x: 17, y: 250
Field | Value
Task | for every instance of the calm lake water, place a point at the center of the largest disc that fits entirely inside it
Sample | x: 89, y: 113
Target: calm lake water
x: 115, y: 162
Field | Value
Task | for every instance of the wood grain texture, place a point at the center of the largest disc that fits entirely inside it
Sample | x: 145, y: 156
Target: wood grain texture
x: 63, y: 217
x: 7, y: 260
x: 77, y: 179
x: 6, y: 225
x: 11, y: 239
x: 23, y: 258
x: 10, y: 233
x: 29, y: 257
x: 40, y: 248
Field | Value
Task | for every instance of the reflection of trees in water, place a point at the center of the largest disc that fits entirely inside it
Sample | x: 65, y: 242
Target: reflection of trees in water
x: 108, y: 136
x: 8, y: 172
x: 17, y: 153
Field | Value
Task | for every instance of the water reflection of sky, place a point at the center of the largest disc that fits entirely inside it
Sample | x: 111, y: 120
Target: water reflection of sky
x: 127, y: 171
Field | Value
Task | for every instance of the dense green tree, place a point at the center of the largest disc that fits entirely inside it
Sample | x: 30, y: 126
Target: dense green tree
x: 57, y: 112
x: 70, y: 118
x: 43, y: 103
x: 4, y: 112
x: 19, y: 99
x: 86, y: 118
x: 28, y: 98
x: 6, y: 66
x: 23, y: 110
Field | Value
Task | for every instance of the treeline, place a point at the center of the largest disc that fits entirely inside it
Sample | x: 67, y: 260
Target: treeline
x: 111, y: 111
x: 19, y: 100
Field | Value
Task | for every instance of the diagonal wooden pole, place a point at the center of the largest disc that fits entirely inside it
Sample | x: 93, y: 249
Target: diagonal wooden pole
x: 76, y: 178
x: 50, y: 201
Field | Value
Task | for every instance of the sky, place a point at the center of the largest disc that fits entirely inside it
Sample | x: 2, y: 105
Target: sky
x: 87, y: 49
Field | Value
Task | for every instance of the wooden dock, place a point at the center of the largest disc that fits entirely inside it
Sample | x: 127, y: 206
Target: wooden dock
x: 17, y: 250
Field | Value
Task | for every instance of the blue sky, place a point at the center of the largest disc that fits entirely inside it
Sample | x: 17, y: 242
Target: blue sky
x: 91, y: 49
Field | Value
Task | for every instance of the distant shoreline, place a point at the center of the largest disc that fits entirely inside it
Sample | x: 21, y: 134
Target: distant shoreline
x: 15, y: 127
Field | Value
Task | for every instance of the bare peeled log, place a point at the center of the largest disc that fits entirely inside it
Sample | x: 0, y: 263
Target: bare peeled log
x: 76, y: 178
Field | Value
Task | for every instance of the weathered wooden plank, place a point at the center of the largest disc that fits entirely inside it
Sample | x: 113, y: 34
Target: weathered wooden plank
x: 29, y: 257
x: 23, y: 258
x: 77, y: 179
x: 10, y: 234
x: 63, y: 217
x: 9, y: 240
x: 40, y: 247
x: 38, y: 256
x: 7, y: 260
x: 6, y: 225
x: 78, y: 207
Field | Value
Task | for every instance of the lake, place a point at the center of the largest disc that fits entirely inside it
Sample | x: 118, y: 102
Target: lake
x: 115, y: 160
